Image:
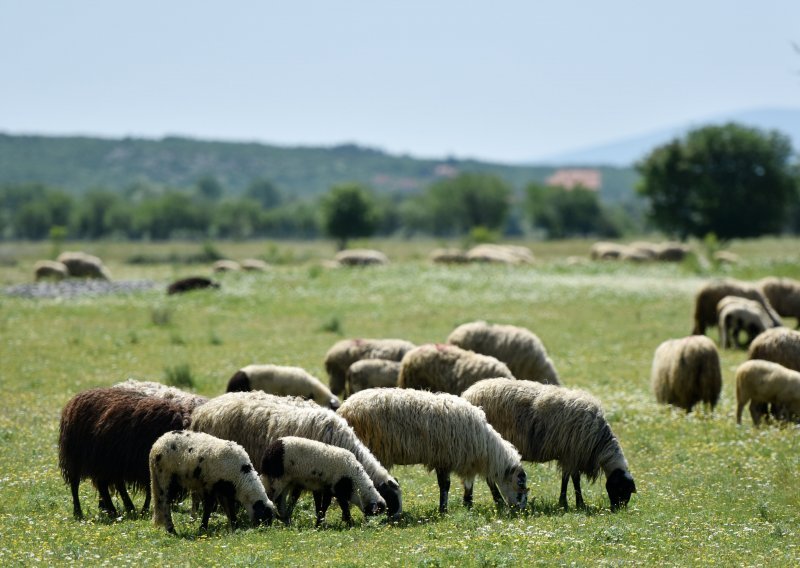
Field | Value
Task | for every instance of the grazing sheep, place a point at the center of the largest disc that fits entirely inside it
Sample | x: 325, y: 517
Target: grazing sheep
x: 687, y: 371
x: 517, y: 347
x: 779, y: 345
x: 347, y: 351
x: 291, y: 465
x: 226, y: 265
x: 448, y: 256
x: 784, y: 295
x: 547, y: 422
x: 705, y: 311
x: 671, y: 252
x: 82, y: 265
x: 186, y: 400
x: 256, y: 419
x: 441, y: 431
x: 727, y: 257
x: 501, y: 254
x: 254, y: 265
x: 762, y: 383
x: 106, y: 435
x: 446, y: 368
x: 49, y: 270
x: 740, y: 314
x: 219, y: 470
x: 191, y: 283
x: 283, y: 381
x: 360, y: 257
x: 603, y: 250
x: 372, y: 373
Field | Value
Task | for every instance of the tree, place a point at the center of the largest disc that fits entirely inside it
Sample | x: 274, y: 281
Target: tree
x: 568, y: 212
x: 210, y: 187
x: 348, y: 211
x: 729, y: 180
x: 265, y: 192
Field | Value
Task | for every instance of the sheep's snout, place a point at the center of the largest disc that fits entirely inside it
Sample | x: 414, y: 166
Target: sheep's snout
x: 620, y: 486
x: 334, y: 403
x: 262, y: 515
x: 375, y: 508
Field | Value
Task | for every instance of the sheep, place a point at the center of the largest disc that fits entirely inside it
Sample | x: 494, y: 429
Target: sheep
x: 502, y: 254
x: 603, y: 250
x: 444, y: 433
x: 106, y: 435
x: 520, y: 349
x: 447, y: 368
x: 779, y: 345
x: 225, y: 265
x: 762, y: 383
x: 256, y: 419
x: 84, y: 265
x: 360, y: 257
x: 254, y: 265
x: 371, y: 373
x: 671, y: 252
x: 217, y: 469
x: 186, y: 400
x: 291, y: 465
x: 49, y: 270
x: 686, y: 371
x: 191, y: 283
x: 707, y: 298
x: 448, y: 256
x: 547, y: 422
x: 347, y: 351
x: 740, y: 314
x: 284, y: 381
x: 784, y: 295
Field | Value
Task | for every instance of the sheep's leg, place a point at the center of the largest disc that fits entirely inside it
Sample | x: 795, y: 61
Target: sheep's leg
x: 469, y: 486
x: 74, y: 482
x: 562, y: 499
x: 443, y: 477
x: 293, y: 497
x: 106, y: 504
x: 126, y: 498
x: 228, y: 503
x: 496, y: 495
x: 146, y: 506
x: 576, y: 482
x: 756, y: 412
x: 322, y: 500
x: 208, y: 505
x: 342, y: 495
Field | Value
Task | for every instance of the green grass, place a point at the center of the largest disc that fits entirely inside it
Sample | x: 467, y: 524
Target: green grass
x: 710, y: 493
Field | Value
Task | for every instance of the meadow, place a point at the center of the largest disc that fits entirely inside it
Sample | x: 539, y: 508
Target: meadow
x: 709, y: 492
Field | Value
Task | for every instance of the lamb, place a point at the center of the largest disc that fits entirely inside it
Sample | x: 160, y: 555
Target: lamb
x: 82, y: 265
x: 291, y: 465
x: 217, y: 469
x: 106, y: 435
x: 49, y: 270
x: 762, y: 383
x: 520, y: 349
x: 784, y: 295
x: 347, y: 351
x: 282, y: 380
x: 705, y: 311
x: 372, y: 373
x: 547, y: 422
x: 186, y: 400
x: 687, y: 371
x: 740, y: 314
x: 447, y: 368
x: 191, y: 283
x: 256, y: 419
x: 444, y: 433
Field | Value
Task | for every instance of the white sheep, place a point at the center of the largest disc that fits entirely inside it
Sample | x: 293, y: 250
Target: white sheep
x: 219, y: 470
x: 186, y: 400
x: 225, y: 265
x: 442, y: 432
x: 547, y: 422
x: 779, y: 345
x: 500, y: 254
x: 707, y: 298
x: 83, y: 265
x: 291, y: 465
x: 256, y: 419
x: 284, y: 381
x: 447, y: 368
x: 519, y: 348
x: 360, y: 257
x: 763, y: 383
x: 49, y: 270
x: 686, y: 371
x: 347, y: 351
x: 736, y: 315
x: 372, y: 373
x: 784, y: 295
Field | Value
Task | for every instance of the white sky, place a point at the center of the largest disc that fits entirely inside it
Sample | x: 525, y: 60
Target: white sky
x: 500, y: 80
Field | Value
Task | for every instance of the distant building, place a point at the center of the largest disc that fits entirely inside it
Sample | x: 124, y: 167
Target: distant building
x: 571, y: 178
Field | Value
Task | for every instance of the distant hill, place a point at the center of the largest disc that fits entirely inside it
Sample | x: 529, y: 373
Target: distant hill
x: 623, y: 153
x: 80, y: 163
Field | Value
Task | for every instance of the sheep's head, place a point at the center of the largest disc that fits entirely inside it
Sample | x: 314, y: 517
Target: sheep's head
x: 393, y: 497
x: 514, y: 487
x: 620, y: 486
x: 374, y: 507
x: 262, y: 513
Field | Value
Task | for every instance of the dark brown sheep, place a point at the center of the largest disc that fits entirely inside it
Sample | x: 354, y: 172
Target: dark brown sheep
x: 191, y: 283
x: 106, y: 435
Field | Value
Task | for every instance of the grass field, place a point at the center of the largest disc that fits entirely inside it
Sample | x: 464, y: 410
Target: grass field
x: 709, y: 492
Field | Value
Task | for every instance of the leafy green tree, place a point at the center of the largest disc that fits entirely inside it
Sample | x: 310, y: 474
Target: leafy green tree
x: 456, y: 205
x: 264, y: 192
x: 210, y: 187
x: 729, y: 180
x: 171, y: 214
x: 568, y: 212
x: 348, y: 211
x: 93, y: 216
x: 237, y: 218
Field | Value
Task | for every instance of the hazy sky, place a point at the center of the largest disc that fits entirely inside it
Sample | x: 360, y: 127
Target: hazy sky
x: 502, y: 80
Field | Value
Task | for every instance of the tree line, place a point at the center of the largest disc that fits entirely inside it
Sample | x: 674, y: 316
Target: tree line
x: 728, y: 180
